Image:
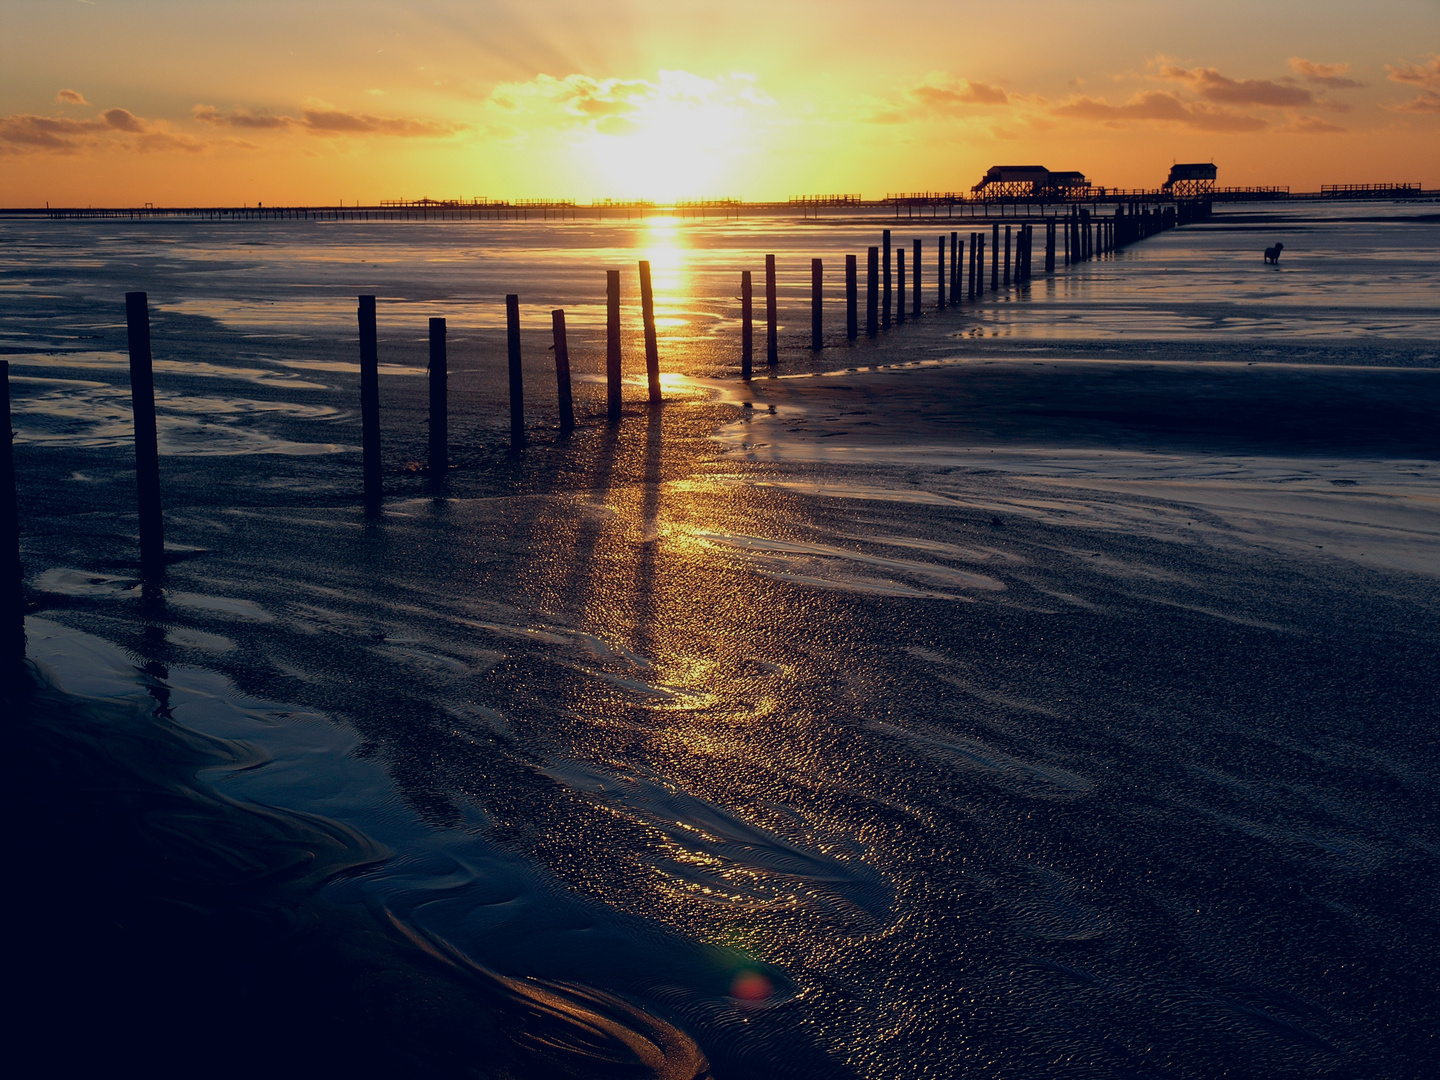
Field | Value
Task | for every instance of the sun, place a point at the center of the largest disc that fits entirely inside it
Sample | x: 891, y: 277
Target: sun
x: 674, y: 144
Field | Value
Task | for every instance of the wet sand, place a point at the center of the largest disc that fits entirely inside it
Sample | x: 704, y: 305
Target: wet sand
x: 985, y: 718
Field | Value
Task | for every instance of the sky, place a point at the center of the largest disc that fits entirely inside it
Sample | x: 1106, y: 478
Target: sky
x: 317, y: 102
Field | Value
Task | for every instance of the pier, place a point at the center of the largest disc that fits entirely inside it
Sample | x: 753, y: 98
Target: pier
x: 1000, y: 200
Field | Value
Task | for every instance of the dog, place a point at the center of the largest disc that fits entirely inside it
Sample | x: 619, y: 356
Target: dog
x: 1272, y: 254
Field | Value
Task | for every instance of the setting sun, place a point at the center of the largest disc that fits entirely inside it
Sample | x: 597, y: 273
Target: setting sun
x: 678, y: 140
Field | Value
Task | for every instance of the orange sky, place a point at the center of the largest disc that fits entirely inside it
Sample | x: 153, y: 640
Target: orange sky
x: 201, y: 102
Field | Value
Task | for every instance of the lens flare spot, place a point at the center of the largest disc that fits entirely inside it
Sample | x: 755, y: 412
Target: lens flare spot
x: 751, y: 986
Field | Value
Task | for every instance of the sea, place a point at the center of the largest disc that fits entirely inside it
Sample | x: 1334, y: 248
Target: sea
x: 1043, y: 687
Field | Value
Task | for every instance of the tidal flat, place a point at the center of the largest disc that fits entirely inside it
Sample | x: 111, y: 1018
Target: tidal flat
x: 1045, y: 688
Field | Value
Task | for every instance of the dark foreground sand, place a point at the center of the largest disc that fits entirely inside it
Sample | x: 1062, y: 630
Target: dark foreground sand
x: 995, y: 719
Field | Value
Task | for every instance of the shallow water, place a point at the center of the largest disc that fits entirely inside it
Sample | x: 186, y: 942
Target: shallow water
x: 977, y: 717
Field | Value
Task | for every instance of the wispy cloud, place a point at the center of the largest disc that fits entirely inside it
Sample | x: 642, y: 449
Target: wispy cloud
x: 27, y: 133
x: 1426, y: 76
x: 323, y: 119
x: 1334, y: 76
x: 1424, y: 103
x: 1162, y: 107
x: 618, y: 106
x: 1311, y: 125
x: 1210, y: 85
x: 958, y: 93
x: 943, y: 96
x: 71, y: 97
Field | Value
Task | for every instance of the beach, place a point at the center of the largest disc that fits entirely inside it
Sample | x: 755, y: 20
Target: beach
x: 1045, y: 688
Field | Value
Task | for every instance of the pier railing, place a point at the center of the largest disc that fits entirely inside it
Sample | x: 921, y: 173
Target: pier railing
x: 915, y: 204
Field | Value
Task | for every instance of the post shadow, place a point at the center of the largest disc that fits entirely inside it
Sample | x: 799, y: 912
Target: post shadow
x: 12, y: 573
x: 147, y: 453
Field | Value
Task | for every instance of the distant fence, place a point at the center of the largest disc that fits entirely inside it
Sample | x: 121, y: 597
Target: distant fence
x: 1370, y: 191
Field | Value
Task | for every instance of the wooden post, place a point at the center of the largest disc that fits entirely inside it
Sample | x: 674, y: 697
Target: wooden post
x: 369, y: 402
x: 885, y: 256
x: 147, y: 452
x: 954, y: 268
x: 747, y: 330
x: 517, y: 377
x: 915, y: 304
x: 817, y: 305
x: 612, y: 345
x: 1007, y: 257
x: 562, y: 370
x: 995, y: 252
x: 872, y: 291
x: 652, y: 347
x: 974, y: 254
x: 980, y: 288
x: 900, y: 283
x: 772, y: 323
x: 439, y: 413
x: 12, y: 574
x: 940, y: 275
x: 852, y: 299
x: 1049, y: 245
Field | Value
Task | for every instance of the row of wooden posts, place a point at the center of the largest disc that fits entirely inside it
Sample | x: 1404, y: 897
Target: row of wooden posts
x: 1082, y: 239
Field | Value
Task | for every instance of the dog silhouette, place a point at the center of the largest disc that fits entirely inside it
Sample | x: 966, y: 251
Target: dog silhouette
x: 1272, y: 254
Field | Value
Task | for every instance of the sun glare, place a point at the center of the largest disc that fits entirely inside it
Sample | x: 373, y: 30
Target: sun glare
x: 663, y: 242
x: 675, y: 145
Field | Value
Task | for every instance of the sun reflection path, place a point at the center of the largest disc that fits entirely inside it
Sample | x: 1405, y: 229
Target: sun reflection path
x: 667, y: 247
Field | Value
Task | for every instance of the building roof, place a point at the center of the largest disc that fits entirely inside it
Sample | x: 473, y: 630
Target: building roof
x: 1201, y: 170
x: 1011, y: 174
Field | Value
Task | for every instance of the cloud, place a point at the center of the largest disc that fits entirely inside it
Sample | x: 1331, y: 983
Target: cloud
x: 942, y: 95
x: 1311, y: 125
x: 1212, y: 86
x: 123, y: 120
x: 1335, y: 76
x: 619, y: 106
x: 1426, y: 76
x: 1422, y: 75
x: 240, y: 118
x: 71, y: 97
x: 1425, y: 103
x: 25, y: 133
x: 327, y: 120
x: 1158, y: 106
x: 950, y: 94
x: 320, y: 118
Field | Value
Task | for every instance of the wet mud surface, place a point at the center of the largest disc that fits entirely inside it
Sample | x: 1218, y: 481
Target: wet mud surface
x: 983, y: 718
